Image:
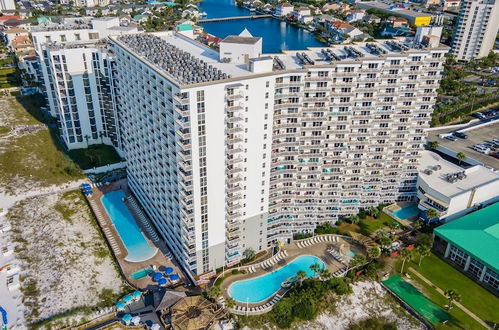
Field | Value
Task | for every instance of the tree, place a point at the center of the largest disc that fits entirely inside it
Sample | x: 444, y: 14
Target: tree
x: 404, y: 254
x: 230, y: 302
x: 418, y: 224
x: 354, y: 219
x: 385, y: 241
x: 214, y: 292
x: 460, y: 156
x: 249, y: 254
x: 431, y: 214
x: 373, y: 211
x: 316, y: 268
x: 300, y: 276
x: 357, y: 260
x: 423, y: 251
x: 451, y: 297
x: 324, y: 273
x: 424, y: 239
x: 374, y: 252
x: 433, y: 144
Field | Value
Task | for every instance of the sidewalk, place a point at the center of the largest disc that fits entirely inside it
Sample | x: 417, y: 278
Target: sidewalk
x: 464, y: 309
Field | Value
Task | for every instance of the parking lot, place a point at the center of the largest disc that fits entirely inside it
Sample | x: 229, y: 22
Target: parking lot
x: 476, y: 136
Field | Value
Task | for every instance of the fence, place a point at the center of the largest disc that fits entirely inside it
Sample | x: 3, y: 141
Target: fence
x: 105, y: 168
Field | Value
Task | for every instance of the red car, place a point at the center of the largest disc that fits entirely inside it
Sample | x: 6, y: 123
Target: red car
x: 495, y: 155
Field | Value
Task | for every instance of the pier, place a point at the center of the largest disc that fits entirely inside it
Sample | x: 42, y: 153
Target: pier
x: 233, y: 18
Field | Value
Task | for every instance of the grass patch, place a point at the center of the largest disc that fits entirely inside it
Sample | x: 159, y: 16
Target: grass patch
x: 94, y: 156
x: 474, y: 297
x: 345, y: 227
x: 9, y: 77
x: 370, y: 225
x: 35, y: 157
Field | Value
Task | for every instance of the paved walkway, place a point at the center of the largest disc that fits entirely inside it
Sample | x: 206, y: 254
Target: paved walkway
x: 464, y: 309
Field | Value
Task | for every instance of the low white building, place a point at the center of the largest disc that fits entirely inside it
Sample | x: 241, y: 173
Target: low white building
x: 7, y: 5
x: 239, y: 49
x: 451, y: 190
x: 284, y: 9
x: 355, y: 15
x: 299, y: 12
x: 306, y: 19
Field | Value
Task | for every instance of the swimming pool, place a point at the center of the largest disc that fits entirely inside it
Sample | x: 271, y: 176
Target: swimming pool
x: 141, y: 273
x: 263, y: 287
x: 407, y: 212
x: 133, y: 239
x: 351, y: 253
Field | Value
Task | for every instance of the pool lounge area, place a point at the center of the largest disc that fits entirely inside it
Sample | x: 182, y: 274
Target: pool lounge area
x: 137, y: 253
x: 261, y: 288
x: 266, y: 282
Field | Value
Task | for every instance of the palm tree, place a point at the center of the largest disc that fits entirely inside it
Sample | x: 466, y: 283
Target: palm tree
x: 316, y: 268
x: 418, y: 224
x: 404, y: 254
x: 324, y: 273
x: 451, y: 297
x: 431, y: 214
x: 433, y: 144
x: 214, y: 292
x: 230, y: 302
x: 354, y: 219
x: 374, y: 252
x: 249, y: 254
x: 461, y: 156
x: 373, y: 211
x: 300, y: 276
x: 423, y: 251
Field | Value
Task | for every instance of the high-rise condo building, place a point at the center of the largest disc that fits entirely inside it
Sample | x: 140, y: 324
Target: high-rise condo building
x: 476, y: 29
x: 230, y: 151
x: 76, y: 69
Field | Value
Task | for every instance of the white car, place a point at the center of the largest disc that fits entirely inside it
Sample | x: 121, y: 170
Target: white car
x: 481, y: 148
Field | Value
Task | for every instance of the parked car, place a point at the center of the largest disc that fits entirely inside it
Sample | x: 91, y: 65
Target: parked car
x: 495, y: 155
x: 478, y: 115
x: 451, y: 138
x: 460, y: 135
x: 481, y: 148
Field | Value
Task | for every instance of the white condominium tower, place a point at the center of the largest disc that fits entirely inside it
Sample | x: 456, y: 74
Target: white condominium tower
x: 476, y: 29
x: 76, y: 69
x: 227, y: 152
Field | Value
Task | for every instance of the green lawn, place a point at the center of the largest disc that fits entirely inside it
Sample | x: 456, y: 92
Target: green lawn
x: 9, y: 77
x: 477, y: 299
x: 94, y: 156
x: 458, y: 318
x: 369, y: 225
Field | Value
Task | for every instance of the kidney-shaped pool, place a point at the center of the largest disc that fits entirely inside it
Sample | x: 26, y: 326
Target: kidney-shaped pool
x: 263, y: 287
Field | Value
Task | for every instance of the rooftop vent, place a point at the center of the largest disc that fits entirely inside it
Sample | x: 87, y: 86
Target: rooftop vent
x: 179, y: 64
x: 454, y: 177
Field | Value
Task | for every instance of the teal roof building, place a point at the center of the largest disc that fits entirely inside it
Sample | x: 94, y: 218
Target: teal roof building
x: 471, y: 243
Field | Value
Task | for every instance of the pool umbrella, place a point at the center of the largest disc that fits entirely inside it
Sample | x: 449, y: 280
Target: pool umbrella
x: 120, y: 306
x: 136, y: 320
x: 168, y: 270
x: 126, y: 318
x: 127, y: 299
x: 157, y: 276
x: 136, y: 295
x: 174, y: 277
x: 162, y: 281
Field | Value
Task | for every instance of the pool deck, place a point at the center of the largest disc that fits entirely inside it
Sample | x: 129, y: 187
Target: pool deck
x: 343, y: 245
x: 116, y: 245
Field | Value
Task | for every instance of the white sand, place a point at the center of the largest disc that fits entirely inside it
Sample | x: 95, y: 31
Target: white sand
x: 368, y: 299
x: 60, y: 256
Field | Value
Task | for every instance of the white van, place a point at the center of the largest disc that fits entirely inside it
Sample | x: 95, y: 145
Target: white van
x: 481, y: 148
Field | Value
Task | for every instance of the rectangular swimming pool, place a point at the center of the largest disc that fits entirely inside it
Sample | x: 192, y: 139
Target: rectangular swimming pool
x: 132, y: 237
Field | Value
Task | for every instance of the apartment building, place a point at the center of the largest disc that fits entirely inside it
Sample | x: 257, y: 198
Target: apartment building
x: 476, y: 29
x: 76, y: 69
x: 226, y: 157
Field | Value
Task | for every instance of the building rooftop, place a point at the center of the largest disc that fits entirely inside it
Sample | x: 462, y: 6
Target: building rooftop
x: 209, y: 59
x: 434, y: 170
x: 390, y: 7
x: 477, y: 234
x: 241, y: 40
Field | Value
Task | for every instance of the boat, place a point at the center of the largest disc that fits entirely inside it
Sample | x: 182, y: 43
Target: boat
x: 289, y: 282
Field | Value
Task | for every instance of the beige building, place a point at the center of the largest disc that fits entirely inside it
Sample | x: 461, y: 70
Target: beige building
x: 476, y: 29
